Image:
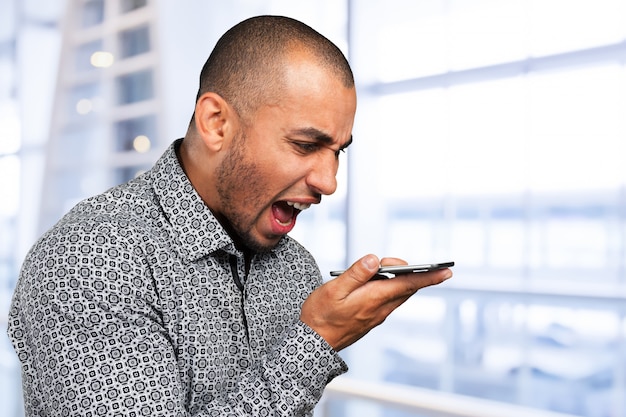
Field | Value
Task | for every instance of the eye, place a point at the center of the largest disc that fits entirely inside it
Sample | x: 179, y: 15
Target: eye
x: 339, y: 152
x: 307, y: 147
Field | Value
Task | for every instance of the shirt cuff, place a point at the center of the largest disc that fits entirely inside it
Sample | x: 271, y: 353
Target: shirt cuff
x: 304, y: 357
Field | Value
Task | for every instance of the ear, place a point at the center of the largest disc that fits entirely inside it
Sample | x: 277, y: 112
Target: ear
x: 214, y: 119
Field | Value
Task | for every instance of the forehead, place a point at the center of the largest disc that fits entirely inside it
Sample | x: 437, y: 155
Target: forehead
x: 307, y: 99
x: 319, y: 94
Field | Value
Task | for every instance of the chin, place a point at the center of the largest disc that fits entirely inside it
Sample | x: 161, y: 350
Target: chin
x: 260, y: 245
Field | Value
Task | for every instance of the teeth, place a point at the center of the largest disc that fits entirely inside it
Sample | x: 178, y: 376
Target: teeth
x: 283, y: 224
x: 299, y: 206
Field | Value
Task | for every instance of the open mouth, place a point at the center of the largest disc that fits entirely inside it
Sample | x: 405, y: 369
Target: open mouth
x: 285, y: 212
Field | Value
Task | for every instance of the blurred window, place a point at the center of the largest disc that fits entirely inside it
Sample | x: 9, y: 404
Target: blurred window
x: 134, y: 41
x: 83, y: 99
x: 84, y: 55
x: 134, y: 87
x: 92, y: 13
x: 135, y: 134
x: 130, y: 5
x: 500, y: 133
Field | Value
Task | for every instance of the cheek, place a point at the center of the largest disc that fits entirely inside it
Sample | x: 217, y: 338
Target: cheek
x: 295, y: 170
x: 285, y: 168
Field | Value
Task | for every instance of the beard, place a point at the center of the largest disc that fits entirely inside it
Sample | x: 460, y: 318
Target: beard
x: 239, y: 187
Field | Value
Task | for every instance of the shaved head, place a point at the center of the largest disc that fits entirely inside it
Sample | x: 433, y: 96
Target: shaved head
x: 275, y: 107
x: 246, y: 67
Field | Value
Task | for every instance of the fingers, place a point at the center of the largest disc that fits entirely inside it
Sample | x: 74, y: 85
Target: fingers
x: 392, y: 261
x: 414, y: 282
x: 364, y: 270
x: 357, y: 275
x: 393, y: 292
x: 403, y: 286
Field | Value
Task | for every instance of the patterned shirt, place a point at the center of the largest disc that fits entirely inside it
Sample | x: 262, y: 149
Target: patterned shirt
x: 135, y: 304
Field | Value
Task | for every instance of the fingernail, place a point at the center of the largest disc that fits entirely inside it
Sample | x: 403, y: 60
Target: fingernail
x: 371, y: 262
x: 448, y: 275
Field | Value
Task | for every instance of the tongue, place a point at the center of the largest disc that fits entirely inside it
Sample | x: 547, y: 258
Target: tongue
x: 283, y: 212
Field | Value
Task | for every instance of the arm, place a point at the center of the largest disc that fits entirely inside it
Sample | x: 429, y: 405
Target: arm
x: 91, y: 337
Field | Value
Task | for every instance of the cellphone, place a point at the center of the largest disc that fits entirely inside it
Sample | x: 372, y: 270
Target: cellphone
x: 405, y: 269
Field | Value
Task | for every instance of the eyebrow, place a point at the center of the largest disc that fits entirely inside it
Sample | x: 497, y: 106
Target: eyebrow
x: 319, y: 136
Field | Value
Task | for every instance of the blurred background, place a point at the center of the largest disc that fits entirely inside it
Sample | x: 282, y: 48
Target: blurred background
x: 489, y: 132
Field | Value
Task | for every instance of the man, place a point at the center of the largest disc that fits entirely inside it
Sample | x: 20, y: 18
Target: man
x: 180, y: 293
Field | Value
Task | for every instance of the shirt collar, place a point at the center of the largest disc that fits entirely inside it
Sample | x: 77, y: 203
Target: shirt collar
x: 199, y: 232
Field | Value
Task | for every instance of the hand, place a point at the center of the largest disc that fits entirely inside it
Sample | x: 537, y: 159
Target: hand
x: 345, y: 309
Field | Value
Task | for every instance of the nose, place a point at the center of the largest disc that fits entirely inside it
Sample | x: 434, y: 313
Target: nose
x: 322, y: 178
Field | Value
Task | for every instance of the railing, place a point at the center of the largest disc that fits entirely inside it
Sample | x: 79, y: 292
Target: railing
x: 422, y: 401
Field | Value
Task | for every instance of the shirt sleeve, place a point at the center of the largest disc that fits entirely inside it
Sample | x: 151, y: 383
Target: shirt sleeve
x: 91, y: 340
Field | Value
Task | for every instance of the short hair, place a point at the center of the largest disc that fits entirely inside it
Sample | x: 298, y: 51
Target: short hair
x: 245, y: 66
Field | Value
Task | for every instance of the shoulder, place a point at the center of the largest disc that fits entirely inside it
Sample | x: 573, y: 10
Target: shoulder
x: 133, y: 200
x: 102, y: 236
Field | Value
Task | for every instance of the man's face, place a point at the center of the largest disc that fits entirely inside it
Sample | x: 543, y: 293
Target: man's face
x: 286, y: 158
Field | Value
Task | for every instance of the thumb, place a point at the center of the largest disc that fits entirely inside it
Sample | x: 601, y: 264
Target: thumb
x: 357, y: 275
